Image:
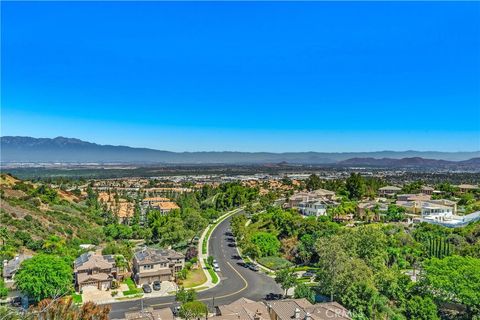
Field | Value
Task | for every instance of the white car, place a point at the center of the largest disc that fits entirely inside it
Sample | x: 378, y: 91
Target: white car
x: 216, y: 269
x: 215, y: 265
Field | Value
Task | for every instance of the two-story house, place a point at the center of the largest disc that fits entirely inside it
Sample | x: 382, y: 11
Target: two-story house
x: 95, y: 270
x: 152, y: 264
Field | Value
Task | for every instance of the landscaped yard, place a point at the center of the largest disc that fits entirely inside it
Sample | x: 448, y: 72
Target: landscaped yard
x: 274, y: 263
x: 195, y: 277
x: 132, y: 288
x: 77, y: 298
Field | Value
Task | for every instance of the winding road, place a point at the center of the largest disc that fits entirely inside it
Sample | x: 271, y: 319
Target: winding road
x: 236, y: 281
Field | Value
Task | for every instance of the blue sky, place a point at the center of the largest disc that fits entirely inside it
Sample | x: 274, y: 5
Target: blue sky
x: 255, y: 76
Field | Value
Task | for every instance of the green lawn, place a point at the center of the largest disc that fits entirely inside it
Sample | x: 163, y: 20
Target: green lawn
x: 132, y: 288
x: 274, y: 263
x: 77, y: 298
x: 210, y: 270
x: 195, y: 277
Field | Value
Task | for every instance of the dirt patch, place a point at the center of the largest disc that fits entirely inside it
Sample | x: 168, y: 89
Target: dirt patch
x: 68, y: 196
x: 7, y: 180
x: 9, y: 193
x: 16, y: 212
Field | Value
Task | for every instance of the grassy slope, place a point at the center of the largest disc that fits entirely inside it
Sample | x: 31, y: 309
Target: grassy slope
x: 67, y: 219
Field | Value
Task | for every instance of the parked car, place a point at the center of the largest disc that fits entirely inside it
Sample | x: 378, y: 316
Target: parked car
x: 146, y: 288
x: 216, y: 269
x: 253, y: 267
x: 273, y: 296
x: 215, y: 265
x: 176, y: 310
x: 308, y: 274
x: 16, y: 301
x: 157, y: 285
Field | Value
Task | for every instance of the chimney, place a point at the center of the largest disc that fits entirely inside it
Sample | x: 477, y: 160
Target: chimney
x: 296, y: 314
x: 308, y: 316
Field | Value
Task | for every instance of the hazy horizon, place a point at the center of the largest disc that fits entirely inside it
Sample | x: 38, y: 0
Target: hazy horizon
x: 306, y: 151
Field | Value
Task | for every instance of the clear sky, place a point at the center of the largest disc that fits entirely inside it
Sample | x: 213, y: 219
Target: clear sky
x: 255, y: 76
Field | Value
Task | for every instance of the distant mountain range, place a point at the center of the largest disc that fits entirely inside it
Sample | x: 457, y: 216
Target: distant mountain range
x: 409, y: 162
x: 70, y: 150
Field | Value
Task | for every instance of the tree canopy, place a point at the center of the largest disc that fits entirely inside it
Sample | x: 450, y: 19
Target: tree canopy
x: 44, y: 276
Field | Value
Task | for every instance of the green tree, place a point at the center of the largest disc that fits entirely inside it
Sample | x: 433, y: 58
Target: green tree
x: 421, y: 308
x: 44, y: 276
x: 332, y: 260
x: 193, y: 310
x: 3, y: 289
x: 210, y: 260
x: 185, y: 296
x: 454, y: 279
x: 54, y: 244
x: 304, y: 291
x: 267, y: 243
x: 3, y: 234
x: 355, y: 185
x: 286, y: 278
x: 313, y: 182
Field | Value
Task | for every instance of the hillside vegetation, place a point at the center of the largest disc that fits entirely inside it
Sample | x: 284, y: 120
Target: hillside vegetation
x: 35, y: 215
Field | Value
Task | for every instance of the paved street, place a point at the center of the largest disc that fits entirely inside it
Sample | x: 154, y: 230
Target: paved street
x: 236, y: 281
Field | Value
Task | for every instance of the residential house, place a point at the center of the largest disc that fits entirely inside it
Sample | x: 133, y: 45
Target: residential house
x: 467, y: 188
x: 432, y: 209
x: 302, y: 309
x: 151, y: 265
x: 295, y: 200
x: 10, y: 267
x: 314, y: 208
x: 427, y: 190
x: 154, y: 201
x: 242, y: 309
x: 164, y: 205
x: 302, y: 200
x: 95, y: 270
x: 435, y: 211
x: 325, y: 194
x: 150, y: 314
x: 365, y: 206
x: 389, y: 191
x: 413, y: 197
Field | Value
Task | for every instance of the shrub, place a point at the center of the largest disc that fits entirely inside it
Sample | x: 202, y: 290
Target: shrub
x: 275, y: 263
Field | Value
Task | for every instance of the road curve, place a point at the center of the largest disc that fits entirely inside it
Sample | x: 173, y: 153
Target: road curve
x: 236, y: 281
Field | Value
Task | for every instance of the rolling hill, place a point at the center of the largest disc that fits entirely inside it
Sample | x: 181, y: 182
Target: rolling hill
x: 70, y: 150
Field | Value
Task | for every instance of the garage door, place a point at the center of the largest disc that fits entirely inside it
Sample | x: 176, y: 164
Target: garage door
x: 89, y: 288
